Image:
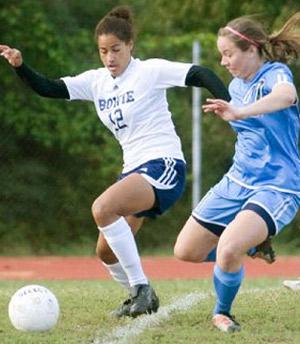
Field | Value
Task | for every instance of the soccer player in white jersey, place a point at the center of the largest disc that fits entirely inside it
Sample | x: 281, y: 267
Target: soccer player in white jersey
x: 260, y: 193
x: 130, y: 99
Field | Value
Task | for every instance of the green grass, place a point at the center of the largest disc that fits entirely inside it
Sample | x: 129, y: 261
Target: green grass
x: 267, y: 312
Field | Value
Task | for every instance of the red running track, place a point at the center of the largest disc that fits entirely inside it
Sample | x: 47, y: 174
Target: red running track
x: 89, y: 268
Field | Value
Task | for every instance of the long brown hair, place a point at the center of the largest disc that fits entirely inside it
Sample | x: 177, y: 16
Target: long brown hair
x: 119, y: 22
x: 282, y: 45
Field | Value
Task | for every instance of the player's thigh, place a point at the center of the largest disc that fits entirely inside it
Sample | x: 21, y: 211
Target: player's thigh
x: 194, y: 242
x: 126, y: 197
x: 265, y: 214
x: 276, y: 207
x: 130, y: 195
x: 247, y: 230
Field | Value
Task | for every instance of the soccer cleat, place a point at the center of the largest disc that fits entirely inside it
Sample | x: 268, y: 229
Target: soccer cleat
x: 144, y: 300
x: 292, y: 284
x: 226, y: 323
x: 263, y: 251
x: 123, y: 310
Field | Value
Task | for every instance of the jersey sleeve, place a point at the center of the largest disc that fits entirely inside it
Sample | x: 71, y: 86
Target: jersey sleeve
x: 232, y: 87
x: 279, y: 74
x: 80, y: 86
x: 168, y: 73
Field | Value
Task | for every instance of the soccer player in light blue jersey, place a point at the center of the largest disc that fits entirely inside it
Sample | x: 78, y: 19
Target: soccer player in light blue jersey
x: 260, y: 194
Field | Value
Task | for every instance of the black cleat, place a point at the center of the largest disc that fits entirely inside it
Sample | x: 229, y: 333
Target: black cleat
x: 123, y: 310
x: 264, y: 251
x: 144, y: 300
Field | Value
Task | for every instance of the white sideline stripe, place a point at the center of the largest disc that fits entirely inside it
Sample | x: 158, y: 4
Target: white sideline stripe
x: 125, y: 334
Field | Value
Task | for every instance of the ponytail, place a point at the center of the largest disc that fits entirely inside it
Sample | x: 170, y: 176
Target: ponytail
x: 282, y: 46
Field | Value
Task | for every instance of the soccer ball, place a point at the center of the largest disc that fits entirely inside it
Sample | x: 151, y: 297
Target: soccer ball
x: 33, y: 308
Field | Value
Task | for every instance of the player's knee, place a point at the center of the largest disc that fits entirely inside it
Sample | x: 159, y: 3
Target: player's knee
x: 227, y: 255
x: 185, y: 254
x: 101, y: 210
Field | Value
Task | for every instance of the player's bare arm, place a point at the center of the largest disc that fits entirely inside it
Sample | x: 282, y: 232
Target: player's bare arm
x: 282, y: 96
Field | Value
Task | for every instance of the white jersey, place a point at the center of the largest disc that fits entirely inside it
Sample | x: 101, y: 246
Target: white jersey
x: 134, y: 107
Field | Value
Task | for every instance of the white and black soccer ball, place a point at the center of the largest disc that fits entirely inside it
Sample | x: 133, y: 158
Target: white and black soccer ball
x: 33, y: 308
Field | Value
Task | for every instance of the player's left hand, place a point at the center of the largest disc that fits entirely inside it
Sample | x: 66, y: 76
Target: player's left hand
x: 223, y: 109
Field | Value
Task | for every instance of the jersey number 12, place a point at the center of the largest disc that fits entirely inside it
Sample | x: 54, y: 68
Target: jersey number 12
x: 117, y: 119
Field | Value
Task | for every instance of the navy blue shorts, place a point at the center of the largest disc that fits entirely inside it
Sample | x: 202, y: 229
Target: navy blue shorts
x: 167, y: 176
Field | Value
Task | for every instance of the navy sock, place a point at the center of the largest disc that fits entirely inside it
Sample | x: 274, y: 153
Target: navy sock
x: 226, y: 285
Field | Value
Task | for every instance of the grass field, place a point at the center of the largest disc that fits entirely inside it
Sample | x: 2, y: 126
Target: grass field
x: 267, y: 312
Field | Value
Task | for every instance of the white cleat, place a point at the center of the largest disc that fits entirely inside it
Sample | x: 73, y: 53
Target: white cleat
x: 226, y: 323
x: 292, y: 284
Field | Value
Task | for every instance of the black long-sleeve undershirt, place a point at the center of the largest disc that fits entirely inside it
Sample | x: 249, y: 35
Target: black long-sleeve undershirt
x: 204, y: 77
x: 50, y: 88
x: 55, y: 88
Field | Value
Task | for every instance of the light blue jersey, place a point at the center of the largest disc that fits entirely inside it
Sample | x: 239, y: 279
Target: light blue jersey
x: 266, y: 151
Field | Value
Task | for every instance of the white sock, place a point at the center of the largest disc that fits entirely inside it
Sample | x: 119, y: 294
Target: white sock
x: 121, y: 240
x: 118, y: 274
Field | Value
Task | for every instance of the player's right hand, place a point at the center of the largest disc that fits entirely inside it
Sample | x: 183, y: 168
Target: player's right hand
x: 223, y: 109
x: 13, y: 56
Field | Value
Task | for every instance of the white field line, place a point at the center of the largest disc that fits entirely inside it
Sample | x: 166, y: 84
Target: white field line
x: 126, y: 334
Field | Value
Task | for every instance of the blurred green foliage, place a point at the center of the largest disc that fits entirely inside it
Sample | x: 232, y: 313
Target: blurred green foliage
x: 56, y: 156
